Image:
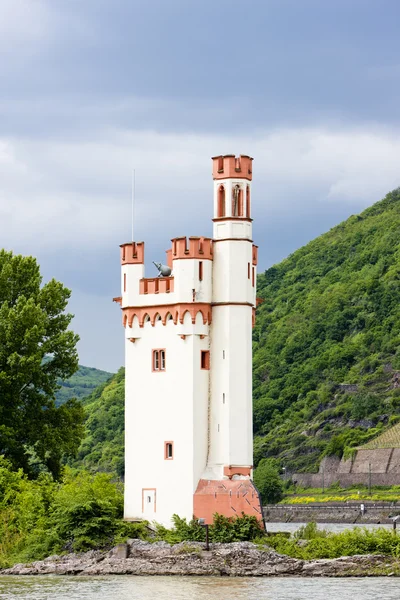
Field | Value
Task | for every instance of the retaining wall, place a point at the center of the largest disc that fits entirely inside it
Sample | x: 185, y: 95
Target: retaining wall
x: 320, y: 480
x: 332, y: 513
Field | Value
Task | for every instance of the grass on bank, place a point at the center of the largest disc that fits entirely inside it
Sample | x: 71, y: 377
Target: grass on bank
x: 334, y: 493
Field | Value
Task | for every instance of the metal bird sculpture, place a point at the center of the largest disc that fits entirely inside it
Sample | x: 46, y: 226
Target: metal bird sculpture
x: 163, y: 270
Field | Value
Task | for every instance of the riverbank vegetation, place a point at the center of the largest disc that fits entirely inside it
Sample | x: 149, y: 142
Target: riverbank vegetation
x: 43, y: 516
x: 311, y: 543
x: 84, y: 511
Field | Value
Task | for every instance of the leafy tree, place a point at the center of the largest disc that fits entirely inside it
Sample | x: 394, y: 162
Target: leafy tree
x: 36, y: 350
x: 268, y: 481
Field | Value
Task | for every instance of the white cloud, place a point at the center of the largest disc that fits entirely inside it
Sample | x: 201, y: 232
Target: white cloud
x: 22, y: 21
x: 56, y: 193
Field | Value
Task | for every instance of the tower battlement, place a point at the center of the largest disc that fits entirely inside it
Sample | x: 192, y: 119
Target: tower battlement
x: 132, y: 253
x: 232, y: 167
x: 198, y: 247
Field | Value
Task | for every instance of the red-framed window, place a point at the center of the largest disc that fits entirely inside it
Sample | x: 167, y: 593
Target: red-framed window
x: 168, y: 450
x: 158, y: 360
x: 205, y: 360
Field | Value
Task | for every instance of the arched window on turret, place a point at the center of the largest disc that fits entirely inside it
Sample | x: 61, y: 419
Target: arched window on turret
x: 237, y: 201
x: 248, y: 202
x: 221, y: 201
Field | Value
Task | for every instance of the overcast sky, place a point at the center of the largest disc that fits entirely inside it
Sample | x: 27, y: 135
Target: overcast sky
x: 92, y: 88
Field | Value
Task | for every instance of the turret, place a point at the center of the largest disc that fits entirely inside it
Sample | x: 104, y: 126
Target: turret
x: 232, y: 196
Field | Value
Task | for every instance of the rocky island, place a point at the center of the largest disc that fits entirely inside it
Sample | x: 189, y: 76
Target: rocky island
x: 238, y: 559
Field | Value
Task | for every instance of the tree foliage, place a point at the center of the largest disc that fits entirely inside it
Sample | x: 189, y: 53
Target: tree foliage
x: 102, y: 448
x: 268, y: 481
x: 36, y: 350
x: 41, y: 517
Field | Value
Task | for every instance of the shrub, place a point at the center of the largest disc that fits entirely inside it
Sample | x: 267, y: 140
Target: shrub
x: 268, y: 481
x: 323, y: 544
x: 223, y: 529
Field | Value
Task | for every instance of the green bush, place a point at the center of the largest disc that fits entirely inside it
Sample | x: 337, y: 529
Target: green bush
x: 223, y: 529
x: 42, y: 517
x: 268, y: 481
x: 323, y: 544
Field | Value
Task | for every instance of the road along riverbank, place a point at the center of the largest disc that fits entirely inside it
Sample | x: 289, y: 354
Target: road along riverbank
x: 240, y: 559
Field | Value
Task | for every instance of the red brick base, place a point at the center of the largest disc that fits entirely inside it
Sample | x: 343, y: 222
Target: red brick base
x: 228, y: 497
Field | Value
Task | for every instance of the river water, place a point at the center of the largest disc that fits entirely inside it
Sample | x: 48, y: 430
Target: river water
x: 46, y: 587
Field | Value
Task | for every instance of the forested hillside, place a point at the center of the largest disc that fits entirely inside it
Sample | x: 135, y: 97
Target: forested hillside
x: 330, y: 317
x: 102, y: 448
x: 81, y: 384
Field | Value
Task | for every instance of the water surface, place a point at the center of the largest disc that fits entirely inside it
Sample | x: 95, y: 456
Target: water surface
x: 51, y: 587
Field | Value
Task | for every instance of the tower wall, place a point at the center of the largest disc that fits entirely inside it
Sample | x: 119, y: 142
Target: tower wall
x: 188, y: 356
x: 160, y: 407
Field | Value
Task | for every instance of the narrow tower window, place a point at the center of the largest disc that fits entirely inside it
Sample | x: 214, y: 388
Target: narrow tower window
x: 205, y: 360
x: 248, y: 270
x: 168, y: 450
x: 158, y: 359
x: 248, y: 202
x: 124, y: 282
x: 201, y: 270
x: 221, y: 201
x: 253, y: 277
x: 223, y: 398
x: 237, y: 201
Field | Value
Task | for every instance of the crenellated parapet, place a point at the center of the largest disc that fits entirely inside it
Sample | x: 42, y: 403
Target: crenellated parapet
x: 232, y: 167
x: 132, y: 253
x: 156, y: 285
x: 254, y: 255
x: 198, y: 248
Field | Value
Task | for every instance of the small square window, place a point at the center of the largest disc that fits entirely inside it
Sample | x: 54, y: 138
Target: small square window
x: 205, y: 360
x: 168, y: 450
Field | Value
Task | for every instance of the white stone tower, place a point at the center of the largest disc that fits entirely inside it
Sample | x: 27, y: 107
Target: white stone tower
x: 188, y: 360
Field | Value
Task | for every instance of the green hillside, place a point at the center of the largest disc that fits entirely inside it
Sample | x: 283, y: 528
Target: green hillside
x: 81, y: 384
x: 102, y: 449
x: 331, y: 316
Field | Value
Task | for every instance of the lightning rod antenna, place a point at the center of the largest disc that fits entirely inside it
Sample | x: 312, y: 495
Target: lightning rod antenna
x: 133, y: 200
